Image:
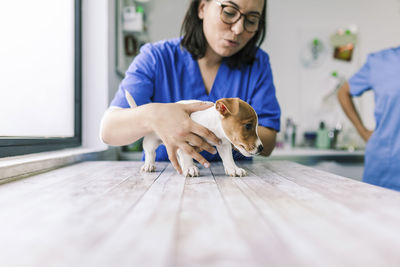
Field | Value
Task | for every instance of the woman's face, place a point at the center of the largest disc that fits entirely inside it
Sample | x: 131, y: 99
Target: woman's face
x: 227, y: 39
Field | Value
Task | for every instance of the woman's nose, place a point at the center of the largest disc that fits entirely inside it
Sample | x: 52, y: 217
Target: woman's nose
x: 238, y: 26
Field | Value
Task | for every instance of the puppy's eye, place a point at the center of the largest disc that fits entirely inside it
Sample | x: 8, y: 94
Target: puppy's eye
x: 248, y: 126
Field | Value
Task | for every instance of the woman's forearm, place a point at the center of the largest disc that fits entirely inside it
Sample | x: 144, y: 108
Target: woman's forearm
x: 346, y: 101
x: 268, y: 139
x: 124, y: 126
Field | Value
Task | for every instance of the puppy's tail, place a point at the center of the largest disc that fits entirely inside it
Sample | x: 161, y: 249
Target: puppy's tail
x: 130, y: 99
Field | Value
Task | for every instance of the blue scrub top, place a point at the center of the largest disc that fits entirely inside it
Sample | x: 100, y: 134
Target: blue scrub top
x: 381, y: 73
x: 165, y: 72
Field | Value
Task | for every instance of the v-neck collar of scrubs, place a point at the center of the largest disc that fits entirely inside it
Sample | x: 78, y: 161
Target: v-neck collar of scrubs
x: 211, y: 95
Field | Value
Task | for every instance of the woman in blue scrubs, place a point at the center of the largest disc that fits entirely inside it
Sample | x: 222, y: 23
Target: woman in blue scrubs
x: 380, y: 73
x: 217, y: 56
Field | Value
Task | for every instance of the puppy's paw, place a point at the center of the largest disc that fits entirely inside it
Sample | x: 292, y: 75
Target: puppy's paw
x: 235, y: 171
x: 190, y: 171
x: 148, y: 168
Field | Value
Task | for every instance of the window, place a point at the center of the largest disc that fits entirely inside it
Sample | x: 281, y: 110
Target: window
x: 40, y: 70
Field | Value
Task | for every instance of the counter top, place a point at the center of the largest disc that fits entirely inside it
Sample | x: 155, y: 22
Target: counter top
x: 107, y: 213
x: 304, y: 151
x: 310, y: 156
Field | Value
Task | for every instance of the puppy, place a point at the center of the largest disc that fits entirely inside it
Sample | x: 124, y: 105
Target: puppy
x: 231, y: 119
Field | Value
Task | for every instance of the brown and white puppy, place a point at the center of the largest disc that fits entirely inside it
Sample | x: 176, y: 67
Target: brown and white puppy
x: 231, y: 119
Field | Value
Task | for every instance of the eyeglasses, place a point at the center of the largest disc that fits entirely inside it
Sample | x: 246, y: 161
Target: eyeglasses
x: 231, y: 15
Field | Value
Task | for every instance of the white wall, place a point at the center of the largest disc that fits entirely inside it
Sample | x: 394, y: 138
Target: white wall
x: 95, y: 69
x: 166, y: 18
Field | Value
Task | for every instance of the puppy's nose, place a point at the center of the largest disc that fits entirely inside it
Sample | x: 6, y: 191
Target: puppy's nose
x: 260, y: 148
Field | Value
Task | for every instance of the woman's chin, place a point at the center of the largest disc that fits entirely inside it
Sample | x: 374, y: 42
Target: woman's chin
x: 227, y: 52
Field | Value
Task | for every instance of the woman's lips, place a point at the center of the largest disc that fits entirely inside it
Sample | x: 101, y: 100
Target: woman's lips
x: 231, y: 43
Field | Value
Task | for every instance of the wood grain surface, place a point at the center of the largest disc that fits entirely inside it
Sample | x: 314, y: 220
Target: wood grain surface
x: 108, y: 213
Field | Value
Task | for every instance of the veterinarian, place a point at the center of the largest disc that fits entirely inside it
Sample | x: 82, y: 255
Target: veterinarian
x: 381, y: 74
x: 217, y: 56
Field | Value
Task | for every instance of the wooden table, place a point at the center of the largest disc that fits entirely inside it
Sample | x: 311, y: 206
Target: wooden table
x: 283, y: 214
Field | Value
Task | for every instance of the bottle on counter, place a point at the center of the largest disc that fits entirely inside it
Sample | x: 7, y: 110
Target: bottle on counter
x: 333, y: 135
x: 290, y: 133
x: 322, y: 141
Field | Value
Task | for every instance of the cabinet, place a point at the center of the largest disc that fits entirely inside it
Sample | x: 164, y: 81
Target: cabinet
x: 131, y: 31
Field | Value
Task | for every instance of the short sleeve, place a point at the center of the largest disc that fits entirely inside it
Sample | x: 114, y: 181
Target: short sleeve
x: 361, y: 80
x: 263, y: 98
x: 139, y: 79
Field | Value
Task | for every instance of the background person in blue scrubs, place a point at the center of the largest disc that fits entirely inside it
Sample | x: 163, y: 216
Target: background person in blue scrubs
x: 218, y: 56
x: 380, y: 73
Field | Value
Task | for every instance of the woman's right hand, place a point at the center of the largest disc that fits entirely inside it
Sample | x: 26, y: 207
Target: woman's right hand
x: 172, y: 123
x: 366, y: 134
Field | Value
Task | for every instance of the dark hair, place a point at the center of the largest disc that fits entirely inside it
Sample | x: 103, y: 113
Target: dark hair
x: 195, y: 42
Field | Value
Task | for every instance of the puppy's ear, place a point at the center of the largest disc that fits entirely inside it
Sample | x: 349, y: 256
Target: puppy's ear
x: 227, y: 106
